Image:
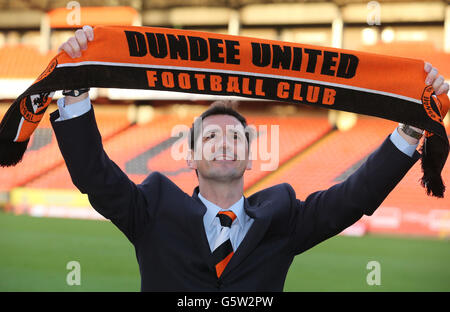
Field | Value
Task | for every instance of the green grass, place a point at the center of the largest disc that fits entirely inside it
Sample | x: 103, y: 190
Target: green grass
x: 339, y: 264
x: 34, y: 253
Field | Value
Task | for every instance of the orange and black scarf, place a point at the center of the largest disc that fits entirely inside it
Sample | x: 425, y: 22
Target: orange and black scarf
x: 198, y: 62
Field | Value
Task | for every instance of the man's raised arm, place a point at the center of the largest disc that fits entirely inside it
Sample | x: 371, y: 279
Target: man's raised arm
x: 326, y: 213
x: 109, y: 189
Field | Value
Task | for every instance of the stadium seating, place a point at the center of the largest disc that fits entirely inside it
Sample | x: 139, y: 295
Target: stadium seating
x: 295, y: 134
x: 121, y: 148
x: 22, y: 61
x: 43, y: 153
x: 311, y: 156
x: 406, y: 210
x: 291, y: 143
x: 320, y: 165
x: 423, y: 51
x: 147, y: 147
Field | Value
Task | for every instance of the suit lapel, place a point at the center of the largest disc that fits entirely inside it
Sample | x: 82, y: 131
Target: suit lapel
x: 253, y: 236
x: 199, y: 232
x: 251, y: 239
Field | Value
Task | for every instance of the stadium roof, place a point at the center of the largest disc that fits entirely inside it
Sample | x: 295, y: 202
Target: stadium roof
x: 46, y: 5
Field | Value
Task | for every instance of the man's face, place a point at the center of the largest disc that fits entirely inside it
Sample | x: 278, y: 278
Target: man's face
x: 222, y: 150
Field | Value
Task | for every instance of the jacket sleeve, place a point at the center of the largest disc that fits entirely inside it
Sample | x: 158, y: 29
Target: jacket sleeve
x: 326, y: 213
x: 109, y: 190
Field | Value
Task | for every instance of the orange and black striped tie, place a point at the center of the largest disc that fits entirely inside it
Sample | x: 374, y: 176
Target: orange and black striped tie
x: 223, y: 251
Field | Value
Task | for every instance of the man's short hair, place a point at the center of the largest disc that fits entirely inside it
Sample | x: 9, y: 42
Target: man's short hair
x: 217, y: 108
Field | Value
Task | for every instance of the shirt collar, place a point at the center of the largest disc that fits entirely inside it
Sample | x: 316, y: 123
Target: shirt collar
x: 212, y: 210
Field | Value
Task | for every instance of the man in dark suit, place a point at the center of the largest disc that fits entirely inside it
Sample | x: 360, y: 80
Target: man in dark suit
x: 216, y: 239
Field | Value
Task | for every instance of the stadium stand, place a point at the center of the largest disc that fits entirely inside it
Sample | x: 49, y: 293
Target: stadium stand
x: 44, y: 155
x: 121, y: 148
x: 295, y: 134
x: 114, y: 15
x: 144, y: 148
x: 290, y: 144
x: 22, y: 61
x: 312, y: 155
x: 406, y: 210
x: 410, y: 210
x: 318, y: 167
x: 426, y: 50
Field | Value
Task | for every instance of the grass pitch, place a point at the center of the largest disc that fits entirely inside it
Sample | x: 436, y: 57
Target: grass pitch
x: 35, y: 252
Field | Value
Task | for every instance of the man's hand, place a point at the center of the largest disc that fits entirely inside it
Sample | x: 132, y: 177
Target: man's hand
x: 436, y: 80
x: 440, y: 87
x: 77, y: 43
x: 73, y: 47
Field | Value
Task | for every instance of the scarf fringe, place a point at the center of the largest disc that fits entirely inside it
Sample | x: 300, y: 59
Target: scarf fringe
x: 434, y: 155
x: 11, y: 153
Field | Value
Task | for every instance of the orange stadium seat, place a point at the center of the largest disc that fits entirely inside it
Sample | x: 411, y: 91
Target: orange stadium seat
x: 23, y: 61
x: 43, y: 153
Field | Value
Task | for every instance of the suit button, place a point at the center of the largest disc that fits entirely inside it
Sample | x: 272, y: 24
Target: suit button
x: 219, y: 283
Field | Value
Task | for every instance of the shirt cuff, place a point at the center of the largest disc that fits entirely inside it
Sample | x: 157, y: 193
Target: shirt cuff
x: 401, y: 143
x: 73, y: 110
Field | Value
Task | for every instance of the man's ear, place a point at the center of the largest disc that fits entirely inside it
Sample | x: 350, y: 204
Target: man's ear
x: 190, y: 160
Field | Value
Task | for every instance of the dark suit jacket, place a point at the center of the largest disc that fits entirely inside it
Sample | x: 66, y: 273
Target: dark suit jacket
x: 165, y: 225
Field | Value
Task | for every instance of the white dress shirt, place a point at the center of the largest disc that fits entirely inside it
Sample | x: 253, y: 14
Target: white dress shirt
x: 239, y: 227
x: 73, y: 110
